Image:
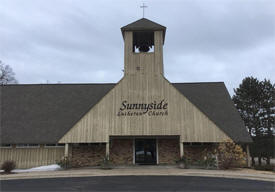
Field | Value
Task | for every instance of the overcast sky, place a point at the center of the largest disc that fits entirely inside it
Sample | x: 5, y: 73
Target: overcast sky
x: 73, y: 41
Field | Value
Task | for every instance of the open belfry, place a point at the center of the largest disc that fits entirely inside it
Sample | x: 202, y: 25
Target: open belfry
x: 142, y: 119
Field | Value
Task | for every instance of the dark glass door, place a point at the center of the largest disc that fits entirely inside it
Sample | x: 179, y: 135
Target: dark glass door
x: 145, y: 151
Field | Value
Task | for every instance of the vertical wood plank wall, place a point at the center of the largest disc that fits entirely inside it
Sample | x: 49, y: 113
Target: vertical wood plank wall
x: 144, y: 83
x: 31, y: 157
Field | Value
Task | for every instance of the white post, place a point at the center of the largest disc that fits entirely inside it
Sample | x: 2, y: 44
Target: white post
x: 181, y: 149
x: 66, y: 149
x: 134, y: 152
x: 107, y: 150
x: 248, y: 156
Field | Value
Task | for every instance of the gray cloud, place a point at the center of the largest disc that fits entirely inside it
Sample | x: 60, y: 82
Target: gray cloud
x: 80, y: 41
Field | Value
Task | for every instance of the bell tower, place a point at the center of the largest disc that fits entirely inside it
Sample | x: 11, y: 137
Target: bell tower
x: 143, y: 48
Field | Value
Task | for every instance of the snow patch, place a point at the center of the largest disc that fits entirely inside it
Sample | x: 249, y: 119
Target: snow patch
x: 53, y: 167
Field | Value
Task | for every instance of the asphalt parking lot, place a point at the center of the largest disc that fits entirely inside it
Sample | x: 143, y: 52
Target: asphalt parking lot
x: 137, y: 183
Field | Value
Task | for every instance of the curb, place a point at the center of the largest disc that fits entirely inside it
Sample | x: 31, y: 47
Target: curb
x: 196, y: 174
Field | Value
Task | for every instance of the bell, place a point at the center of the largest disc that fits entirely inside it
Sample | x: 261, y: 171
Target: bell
x: 143, y: 48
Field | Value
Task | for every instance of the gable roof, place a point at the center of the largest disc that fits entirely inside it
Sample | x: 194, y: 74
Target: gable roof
x: 213, y: 99
x: 144, y: 25
x: 44, y: 113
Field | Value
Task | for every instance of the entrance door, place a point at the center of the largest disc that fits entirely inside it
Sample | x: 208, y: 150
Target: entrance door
x: 145, y: 151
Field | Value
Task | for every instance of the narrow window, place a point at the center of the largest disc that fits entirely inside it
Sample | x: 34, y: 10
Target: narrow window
x: 27, y: 146
x: 50, y: 145
x: 34, y: 146
x: 5, y: 146
x: 54, y: 145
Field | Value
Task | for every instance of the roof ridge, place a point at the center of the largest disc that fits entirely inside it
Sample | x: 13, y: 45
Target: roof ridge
x: 54, y: 84
x: 139, y: 21
x: 39, y: 84
x: 209, y: 82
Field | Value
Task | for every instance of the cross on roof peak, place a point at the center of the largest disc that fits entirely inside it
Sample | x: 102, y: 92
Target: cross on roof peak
x: 143, y: 9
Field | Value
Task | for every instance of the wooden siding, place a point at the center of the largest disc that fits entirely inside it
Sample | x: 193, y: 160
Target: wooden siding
x: 144, y: 83
x: 31, y: 157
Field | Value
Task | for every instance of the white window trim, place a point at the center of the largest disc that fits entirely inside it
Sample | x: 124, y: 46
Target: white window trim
x: 28, y: 146
x: 6, y: 147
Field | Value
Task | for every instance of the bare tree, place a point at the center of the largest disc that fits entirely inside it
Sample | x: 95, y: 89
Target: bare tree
x: 7, y: 76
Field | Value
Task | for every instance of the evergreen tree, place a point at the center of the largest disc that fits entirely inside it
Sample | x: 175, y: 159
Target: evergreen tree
x: 267, y: 111
x: 247, y: 101
x: 254, y: 100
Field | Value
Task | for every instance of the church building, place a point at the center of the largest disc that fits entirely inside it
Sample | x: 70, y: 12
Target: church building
x: 142, y: 119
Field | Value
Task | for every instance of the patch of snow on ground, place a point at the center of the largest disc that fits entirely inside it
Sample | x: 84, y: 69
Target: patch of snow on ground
x: 53, y: 167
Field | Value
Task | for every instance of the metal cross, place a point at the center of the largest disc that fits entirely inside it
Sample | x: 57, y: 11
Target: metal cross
x: 143, y: 7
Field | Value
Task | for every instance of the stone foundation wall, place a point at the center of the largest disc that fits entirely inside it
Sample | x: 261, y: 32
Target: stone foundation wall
x: 121, y: 151
x: 168, y: 151
x: 197, y: 152
x: 90, y: 155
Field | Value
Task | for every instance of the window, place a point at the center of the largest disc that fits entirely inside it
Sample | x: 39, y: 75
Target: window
x: 55, y: 145
x: 50, y: 145
x: 27, y: 146
x: 5, y: 146
x: 33, y: 145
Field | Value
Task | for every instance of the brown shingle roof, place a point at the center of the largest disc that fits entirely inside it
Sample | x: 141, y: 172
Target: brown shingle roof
x: 44, y: 113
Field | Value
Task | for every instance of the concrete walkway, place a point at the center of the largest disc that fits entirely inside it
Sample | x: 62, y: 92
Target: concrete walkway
x: 146, y: 170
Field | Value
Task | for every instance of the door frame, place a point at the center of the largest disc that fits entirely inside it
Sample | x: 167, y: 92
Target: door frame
x: 134, y: 148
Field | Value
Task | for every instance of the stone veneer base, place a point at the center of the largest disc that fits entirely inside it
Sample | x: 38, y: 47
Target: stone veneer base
x: 122, y: 152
